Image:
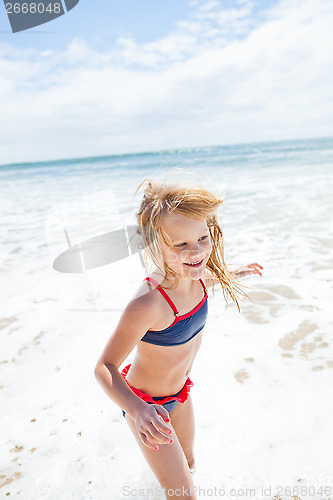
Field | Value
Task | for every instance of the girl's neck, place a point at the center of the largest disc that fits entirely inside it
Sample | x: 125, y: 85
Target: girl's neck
x: 185, y: 285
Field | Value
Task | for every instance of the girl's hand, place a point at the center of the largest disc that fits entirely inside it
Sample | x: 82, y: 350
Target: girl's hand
x: 150, y: 424
x: 241, y: 271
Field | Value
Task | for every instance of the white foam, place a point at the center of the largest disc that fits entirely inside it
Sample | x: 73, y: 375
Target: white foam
x: 262, y: 379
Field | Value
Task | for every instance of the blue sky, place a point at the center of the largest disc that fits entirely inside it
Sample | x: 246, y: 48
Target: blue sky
x: 102, y: 25
x: 145, y: 21
x: 128, y: 76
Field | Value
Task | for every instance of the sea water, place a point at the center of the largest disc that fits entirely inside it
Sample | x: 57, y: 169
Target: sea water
x: 262, y: 379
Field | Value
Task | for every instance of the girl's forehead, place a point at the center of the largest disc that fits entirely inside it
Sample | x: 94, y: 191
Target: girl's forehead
x: 176, y: 224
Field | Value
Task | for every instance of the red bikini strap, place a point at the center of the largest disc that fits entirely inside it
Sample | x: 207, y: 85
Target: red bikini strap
x: 160, y: 289
x: 204, y: 286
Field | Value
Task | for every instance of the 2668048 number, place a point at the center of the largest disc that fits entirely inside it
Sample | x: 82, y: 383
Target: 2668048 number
x: 32, y: 8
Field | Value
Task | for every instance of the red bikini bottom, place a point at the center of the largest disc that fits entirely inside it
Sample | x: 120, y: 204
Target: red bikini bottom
x: 181, y: 396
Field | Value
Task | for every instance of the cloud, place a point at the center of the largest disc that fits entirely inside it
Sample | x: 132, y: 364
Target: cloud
x: 222, y: 76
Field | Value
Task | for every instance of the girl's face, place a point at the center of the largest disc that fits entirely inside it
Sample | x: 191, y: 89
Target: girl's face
x: 190, y: 248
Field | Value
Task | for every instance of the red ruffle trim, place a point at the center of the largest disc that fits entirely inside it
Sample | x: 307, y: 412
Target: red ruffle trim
x: 181, y: 397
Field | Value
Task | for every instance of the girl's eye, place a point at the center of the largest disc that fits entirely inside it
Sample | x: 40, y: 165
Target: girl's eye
x: 200, y: 239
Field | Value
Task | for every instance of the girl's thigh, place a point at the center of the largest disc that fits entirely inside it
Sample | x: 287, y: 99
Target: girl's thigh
x: 169, y: 464
x: 182, y: 420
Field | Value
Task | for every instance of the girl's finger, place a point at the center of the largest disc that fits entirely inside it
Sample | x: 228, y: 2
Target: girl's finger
x: 158, y: 436
x: 163, y: 416
x: 151, y: 442
x: 155, y: 440
x: 145, y: 441
x: 162, y: 412
x: 257, y: 265
x: 253, y: 270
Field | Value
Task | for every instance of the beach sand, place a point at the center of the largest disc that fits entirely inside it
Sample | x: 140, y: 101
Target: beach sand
x: 262, y: 379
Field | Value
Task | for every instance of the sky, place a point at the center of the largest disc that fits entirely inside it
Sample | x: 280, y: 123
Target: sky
x: 121, y: 76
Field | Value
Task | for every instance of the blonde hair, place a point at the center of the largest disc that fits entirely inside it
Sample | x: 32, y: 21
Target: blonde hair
x: 194, y: 201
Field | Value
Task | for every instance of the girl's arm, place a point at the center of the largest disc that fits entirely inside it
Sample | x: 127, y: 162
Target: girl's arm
x: 135, y: 320
x: 138, y: 316
x: 244, y: 270
x: 237, y: 271
x: 116, y: 388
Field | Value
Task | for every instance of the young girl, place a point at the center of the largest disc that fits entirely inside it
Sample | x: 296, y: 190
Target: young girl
x: 182, y: 236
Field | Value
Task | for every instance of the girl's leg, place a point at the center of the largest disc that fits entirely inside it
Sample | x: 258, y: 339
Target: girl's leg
x: 169, y: 465
x: 182, y: 419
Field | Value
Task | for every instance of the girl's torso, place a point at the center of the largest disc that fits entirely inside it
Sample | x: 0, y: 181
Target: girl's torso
x: 166, y: 353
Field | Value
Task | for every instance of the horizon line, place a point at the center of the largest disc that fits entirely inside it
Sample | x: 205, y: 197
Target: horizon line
x: 168, y: 150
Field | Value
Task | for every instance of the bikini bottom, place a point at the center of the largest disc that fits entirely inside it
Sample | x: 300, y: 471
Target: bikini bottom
x: 169, y: 402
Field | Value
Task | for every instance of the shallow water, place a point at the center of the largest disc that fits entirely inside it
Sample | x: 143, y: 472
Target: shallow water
x: 262, y: 379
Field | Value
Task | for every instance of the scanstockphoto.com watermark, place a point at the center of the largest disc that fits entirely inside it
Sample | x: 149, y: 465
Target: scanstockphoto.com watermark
x: 178, y: 492
x: 303, y: 491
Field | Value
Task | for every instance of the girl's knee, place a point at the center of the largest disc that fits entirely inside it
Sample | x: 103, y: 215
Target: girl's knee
x: 189, y: 454
x: 191, y: 461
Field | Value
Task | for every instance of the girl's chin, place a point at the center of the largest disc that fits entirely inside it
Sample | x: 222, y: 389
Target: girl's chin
x: 193, y: 272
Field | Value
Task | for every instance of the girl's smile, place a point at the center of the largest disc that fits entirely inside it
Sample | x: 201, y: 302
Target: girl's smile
x: 190, y: 245
x: 195, y: 264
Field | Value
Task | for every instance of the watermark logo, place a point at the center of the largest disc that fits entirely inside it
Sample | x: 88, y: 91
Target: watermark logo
x: 99, y: 251
x: 23, y: 14
x: 92, y: 238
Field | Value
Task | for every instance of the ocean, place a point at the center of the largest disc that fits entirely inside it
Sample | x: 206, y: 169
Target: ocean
x: 262, y: 379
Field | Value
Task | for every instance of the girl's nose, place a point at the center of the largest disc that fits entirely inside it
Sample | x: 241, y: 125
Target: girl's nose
x: 196, y: 249
x: 194, y: 253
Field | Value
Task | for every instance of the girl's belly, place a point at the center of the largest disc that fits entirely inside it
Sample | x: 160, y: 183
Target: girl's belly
x: 162, y: 371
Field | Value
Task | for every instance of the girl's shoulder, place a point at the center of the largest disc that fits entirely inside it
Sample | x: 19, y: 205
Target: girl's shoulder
x: 146, y: 290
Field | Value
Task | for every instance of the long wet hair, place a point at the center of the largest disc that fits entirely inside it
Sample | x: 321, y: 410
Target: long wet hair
x: 161, y: 199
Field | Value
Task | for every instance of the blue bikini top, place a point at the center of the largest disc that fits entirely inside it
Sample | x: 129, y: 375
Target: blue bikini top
x: 184, y: 327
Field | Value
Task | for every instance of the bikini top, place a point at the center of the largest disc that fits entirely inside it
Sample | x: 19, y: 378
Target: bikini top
x: 184, y: 327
